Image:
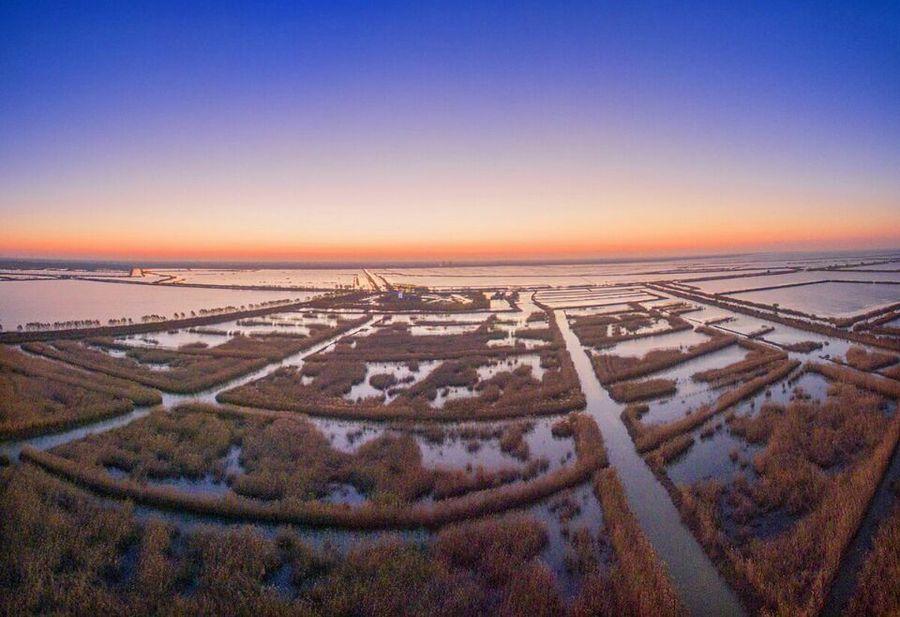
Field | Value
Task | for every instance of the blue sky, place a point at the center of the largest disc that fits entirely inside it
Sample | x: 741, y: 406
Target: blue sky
x: 295, y: 109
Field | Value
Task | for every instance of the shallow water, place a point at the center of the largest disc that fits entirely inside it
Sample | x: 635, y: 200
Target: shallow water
x: 827, y: 299
x: 691, y: 394
x: 813, y: 385
x: 640, y: 346
x: 588, y: 298
x: 400, y: 370
x: 755, y: 282
x: 22, y: 302
x: 613, y: 272
x: 589, y: 516
x: 710, y: 458
x: 319, y: 278
x: 174, y: 339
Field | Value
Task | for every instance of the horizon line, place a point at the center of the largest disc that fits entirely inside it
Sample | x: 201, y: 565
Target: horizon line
x: 12, y: 261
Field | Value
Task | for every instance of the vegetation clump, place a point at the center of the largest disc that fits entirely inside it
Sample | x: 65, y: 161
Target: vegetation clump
x: 803, y: 346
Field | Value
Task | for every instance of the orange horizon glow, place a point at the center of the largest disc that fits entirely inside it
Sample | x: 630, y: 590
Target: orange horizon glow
x: 721, y: 241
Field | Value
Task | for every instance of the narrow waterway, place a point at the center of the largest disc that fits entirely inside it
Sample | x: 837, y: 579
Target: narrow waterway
x: 698, y: 582
x: 51, y: 440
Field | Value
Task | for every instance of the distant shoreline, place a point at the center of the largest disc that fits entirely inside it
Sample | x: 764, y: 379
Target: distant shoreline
x: 13, y: 263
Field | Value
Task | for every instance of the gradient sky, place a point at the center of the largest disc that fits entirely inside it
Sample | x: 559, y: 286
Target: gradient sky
x: 446, y: 130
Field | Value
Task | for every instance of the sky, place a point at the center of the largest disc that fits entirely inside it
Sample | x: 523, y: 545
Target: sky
x: 432, y: 130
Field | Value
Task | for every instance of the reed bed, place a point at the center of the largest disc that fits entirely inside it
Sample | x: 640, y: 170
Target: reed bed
x: 647, y: 438
x: 755, y: 363
x: 638, y: 583
x: 185, y: 371
x: 33, y: 406
x: 372, y: 515
x: 803, y: 346
x: 611, y: 368
x: 875, y: 383
x: 864, y: 360
x: 190, y: 373
x: 431, y: 302
x: 629, y: 391
x: 319, y: 388
x: 281, y: 457
x: 877, y: 592
x: 13, y: 360
x: 668, y: 452
x: 605, y: 330
x: 821, y: 465
x: 394, y: 343
x: 65, y: 552
x: 892, y: 372
x: 509, y: 394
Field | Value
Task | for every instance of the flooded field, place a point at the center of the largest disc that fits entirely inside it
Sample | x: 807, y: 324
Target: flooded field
x: 828, y: 299
x: 308, y: 278
x: 583, y: 428
x: 49, y: 301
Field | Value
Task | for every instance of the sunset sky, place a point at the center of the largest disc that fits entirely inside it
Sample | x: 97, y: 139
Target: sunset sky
x: 352, y: 130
